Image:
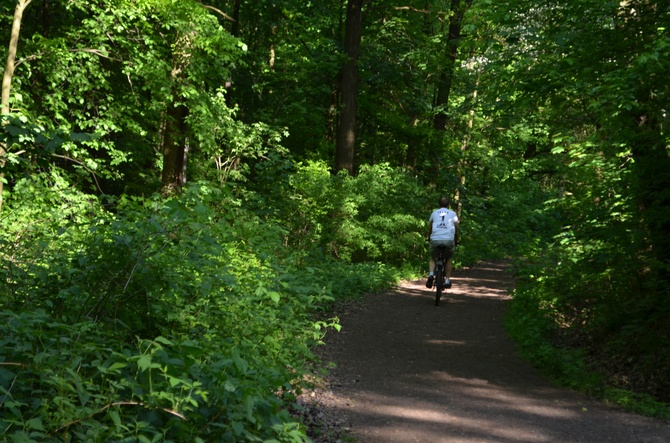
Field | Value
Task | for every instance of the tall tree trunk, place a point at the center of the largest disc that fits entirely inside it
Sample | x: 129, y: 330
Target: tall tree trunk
x: 174, y: 148
x: 236, y: 19
x: 346, y: 131
x: 462, y: 165
x: 175, y: 135
x: 652, y: 188
x: 7, y: 78
x: 11, y: 55
x: 412, y: 144
x: 458, y: 9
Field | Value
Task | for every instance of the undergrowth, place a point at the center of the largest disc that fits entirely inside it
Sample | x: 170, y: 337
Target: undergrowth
x: 178, y: 319
x: 557, y: 334
x: 194, y: 317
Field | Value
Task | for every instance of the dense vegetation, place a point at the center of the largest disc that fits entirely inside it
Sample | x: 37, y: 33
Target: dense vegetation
x: 189, y: 188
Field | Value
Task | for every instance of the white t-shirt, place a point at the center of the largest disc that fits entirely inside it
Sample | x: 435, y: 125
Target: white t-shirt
x: 443, y: 221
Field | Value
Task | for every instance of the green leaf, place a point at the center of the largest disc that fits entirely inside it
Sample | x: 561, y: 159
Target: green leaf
x: 35, y: 424
x: 144, y: 362
x: 274, y: 296
x: 114, y: 367
x: 116, y: 418
x: 163, y: 340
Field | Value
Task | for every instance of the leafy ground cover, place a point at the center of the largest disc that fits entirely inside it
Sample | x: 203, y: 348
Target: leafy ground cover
x: 184, y: 317
x: 195, y: 316
x: 162, y: 319
x: 574, y: 331
x: 561, y: 159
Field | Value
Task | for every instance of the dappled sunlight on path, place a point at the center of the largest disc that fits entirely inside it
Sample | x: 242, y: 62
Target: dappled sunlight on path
x: 408, y: 371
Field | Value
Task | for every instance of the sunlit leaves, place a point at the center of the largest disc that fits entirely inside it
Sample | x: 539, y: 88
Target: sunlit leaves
x: 208, y: 333
x: 590, y: 72
x: 107, y: 69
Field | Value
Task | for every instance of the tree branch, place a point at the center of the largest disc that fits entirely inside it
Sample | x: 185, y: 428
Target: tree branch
x: 120, y: 403
x: 218, y: 11
x: 97, y: 52
x: 95, y: 178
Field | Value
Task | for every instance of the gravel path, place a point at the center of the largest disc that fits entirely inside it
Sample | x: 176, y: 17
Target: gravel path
x: 408, y: 371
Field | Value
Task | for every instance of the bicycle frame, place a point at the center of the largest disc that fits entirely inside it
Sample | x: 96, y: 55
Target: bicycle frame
x: 440, y: 275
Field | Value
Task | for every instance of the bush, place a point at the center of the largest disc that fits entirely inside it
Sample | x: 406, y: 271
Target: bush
x: 376, y: 216
x: 179, y: 318
x: 60, y: 381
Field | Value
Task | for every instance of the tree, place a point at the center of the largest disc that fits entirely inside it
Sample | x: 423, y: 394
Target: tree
x: 587, y: 75
x: 139, y: 75
x: 175, y: 138
x: 346, y: 131
x: 21, y: 5
x: 458, y: 10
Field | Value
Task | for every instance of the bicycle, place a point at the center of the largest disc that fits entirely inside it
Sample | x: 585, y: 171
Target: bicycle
x: 440, y: 275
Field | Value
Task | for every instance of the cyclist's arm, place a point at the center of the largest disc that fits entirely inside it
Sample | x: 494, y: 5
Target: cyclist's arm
x: 456, y: 225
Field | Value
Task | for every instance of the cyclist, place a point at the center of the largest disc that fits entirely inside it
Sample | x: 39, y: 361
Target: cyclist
x: 442, y: 231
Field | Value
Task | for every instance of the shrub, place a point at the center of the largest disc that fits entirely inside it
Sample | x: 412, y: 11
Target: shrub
x: 174, y: 319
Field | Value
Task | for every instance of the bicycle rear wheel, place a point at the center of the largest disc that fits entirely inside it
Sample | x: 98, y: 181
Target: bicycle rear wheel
x: 439, y: 282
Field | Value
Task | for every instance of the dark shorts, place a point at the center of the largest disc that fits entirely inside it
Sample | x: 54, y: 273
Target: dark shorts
x: 448, y: 250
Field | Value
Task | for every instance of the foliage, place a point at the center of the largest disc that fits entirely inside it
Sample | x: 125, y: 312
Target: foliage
x: 596, y: 139
x: 540, y: 332
x: 29, y: 146
x: 64, y: 380
x: 509, y: 221
x: 115, y: 69
x: 288, y: 80
x: 164, y: 319
x: 556, y: 145
x: 377, y: 215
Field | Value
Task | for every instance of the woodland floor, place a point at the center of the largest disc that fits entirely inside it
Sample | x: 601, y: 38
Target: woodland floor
x: 408, y: 371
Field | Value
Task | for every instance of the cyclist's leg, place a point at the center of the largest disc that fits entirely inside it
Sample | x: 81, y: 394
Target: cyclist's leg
x: 431, y: 276
x: 449, y: 253
x: 447, y: 273
x: 434, y: 253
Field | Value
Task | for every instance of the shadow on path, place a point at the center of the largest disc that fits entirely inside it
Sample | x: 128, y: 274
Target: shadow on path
x: 408, y: 371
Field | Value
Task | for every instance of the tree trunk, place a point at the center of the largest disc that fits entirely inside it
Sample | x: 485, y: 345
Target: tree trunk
x: 412, y: 145
x: 235, y: 31
x: 458, y: 10
x: 174, y: 148
x: 652, y: 187
x: 462, y: 165
x: 175, y: 136
x: 7, y: 77
x: 346, y: 131
x: 11, y: 55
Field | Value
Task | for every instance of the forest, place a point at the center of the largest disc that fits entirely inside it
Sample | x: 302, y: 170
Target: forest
x: 188, y: 188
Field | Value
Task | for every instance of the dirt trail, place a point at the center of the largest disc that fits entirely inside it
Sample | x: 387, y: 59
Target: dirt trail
x: 408, y: 371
